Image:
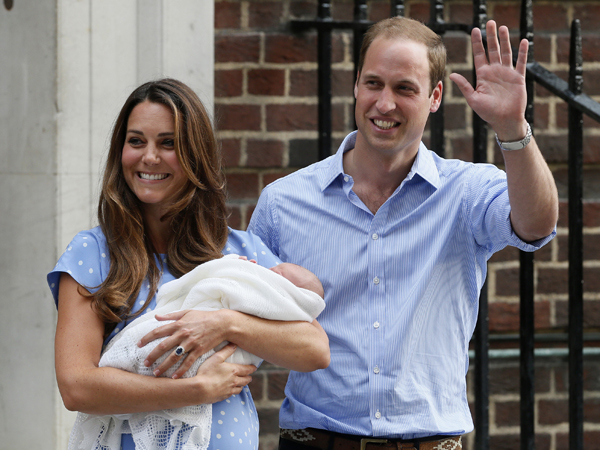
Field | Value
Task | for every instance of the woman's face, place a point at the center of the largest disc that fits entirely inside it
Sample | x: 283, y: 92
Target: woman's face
x: 149, y: 161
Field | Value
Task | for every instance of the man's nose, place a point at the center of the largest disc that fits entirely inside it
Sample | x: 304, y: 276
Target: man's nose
x: 386, y: 102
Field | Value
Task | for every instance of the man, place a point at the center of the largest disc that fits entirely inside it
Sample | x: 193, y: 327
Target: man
x: 400, y: 239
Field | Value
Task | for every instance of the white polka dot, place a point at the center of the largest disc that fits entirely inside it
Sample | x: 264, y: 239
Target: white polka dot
x: 142, y: 302
x: 243, y: 402
x: 218, y: 436
x: 262, y: 243
x: 232, y: 434
x: 69, y: 272
x: 85, y: 244
x: 220, y: 422
x: 263, y: 252
x: 254, y: 254
x: 69, y: 248
x: 81, y: 263
x: 103, y: 255
x: 91, y: 270
x: 228, y: 249
x: 222, y: 413
x: 243, y: 413
x: 85, y: 237
x: 52, y: 285
x: 240, y: 441
x: 235, y: 419
x: 245, y: 433
x: 244, y: 244
x: 228, y: 401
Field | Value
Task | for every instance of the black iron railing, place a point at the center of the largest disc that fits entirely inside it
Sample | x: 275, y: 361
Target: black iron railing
x: 579, y: 104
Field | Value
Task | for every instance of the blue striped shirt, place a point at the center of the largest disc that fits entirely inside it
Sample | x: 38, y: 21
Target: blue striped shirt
x: 401, y: 288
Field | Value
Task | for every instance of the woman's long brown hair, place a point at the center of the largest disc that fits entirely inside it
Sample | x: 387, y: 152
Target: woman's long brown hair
x: 198, y: 218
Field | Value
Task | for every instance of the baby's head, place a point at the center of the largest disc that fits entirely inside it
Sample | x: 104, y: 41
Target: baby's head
x: 300, y: 277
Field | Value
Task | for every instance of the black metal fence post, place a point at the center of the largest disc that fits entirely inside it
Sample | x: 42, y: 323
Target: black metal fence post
x: 575, y: 245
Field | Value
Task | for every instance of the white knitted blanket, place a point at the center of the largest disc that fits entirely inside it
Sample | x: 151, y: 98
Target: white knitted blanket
x: 228, y: 282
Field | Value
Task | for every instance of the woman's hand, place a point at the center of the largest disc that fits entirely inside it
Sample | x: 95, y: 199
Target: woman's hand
x: 196, y: 331
x: 221, y: 380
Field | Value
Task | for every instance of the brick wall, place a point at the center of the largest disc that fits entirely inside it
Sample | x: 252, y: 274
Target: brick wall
x: 266, y: 113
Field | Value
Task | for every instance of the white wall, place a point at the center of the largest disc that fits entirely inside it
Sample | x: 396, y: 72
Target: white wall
x: 67, y: 67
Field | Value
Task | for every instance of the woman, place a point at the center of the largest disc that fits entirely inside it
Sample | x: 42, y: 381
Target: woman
x: 162, y: 212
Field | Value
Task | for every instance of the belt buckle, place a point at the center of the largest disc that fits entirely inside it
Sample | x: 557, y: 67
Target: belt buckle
x: 365, y: 441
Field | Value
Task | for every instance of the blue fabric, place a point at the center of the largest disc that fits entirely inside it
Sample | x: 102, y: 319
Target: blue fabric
x: 401, y: 290
x: 86, y: 259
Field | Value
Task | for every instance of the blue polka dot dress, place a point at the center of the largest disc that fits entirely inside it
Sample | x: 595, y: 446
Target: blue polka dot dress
x: 234, y: 420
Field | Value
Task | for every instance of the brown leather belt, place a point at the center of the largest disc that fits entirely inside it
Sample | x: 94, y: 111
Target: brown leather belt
x: 327, y: 440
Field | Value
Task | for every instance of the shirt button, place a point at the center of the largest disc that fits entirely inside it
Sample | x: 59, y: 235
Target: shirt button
x: 376, y: 369
x: 375, y: 236
x: 376, y: 325
x: 346, y: 178
x: 376, y: 280
x: 378, y: 415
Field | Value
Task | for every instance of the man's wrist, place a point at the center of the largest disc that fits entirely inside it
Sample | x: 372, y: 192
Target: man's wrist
x: 511, y: 145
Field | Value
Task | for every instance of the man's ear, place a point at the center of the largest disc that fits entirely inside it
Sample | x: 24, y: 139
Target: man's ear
x: 436, y: 97
x: 356, y: 84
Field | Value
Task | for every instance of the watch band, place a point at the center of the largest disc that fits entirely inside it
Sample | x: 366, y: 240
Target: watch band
x: 516, y: 145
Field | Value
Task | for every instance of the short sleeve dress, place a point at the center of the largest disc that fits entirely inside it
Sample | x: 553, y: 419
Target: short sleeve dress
x: 86, y: 259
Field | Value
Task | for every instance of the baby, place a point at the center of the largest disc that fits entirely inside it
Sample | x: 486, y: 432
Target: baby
x: 284, y: 292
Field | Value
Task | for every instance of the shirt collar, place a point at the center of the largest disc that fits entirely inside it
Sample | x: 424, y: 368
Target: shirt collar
x: 424, y: 164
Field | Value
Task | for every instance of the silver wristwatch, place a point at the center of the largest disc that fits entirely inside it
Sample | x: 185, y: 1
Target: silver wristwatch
x: 516, y: 145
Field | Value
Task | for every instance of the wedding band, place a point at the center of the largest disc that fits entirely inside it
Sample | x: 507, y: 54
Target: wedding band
x: 179, y: 351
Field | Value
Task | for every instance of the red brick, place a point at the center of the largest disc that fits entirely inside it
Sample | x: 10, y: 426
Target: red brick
x: 230, y: 149
x: 228, y: 83
x: 590, y: 48
x: 237, y: 48
x: 268, y: 418
x: 591, y: 313
x: 462, y: 148
x: 257, y: 384
x: 555, y: 148
x: 263, y: 153
x: 545, y: 253
x: 452, y: 89
x: 303, y: 83
x: 234, y: 220
x: 338, y: 117
x: 541, y: 117
x: 591, y: 214
x: 342, y: 10
x: 458, y: 47
x: 268, y: 178
x: 507, y: 14
x: 265, y: 15
x: 562, y: 121
x: 419, y: 11
x: 276, y: 384
x: 553, y: 412
x: 508, y: 414
x: 266, y: 82
x: 379, y: 11
x: 338, y: 47
x: 505, y: 316
x: 563, y: 247
x: 542, y: 48
x: 291, y: 117
x: 342, y: 83
x: 588, y: 15
x: 238, y: 117
x: 460, y: 12
x: 549, y: 17
x: 281, y: 48
x: 455, y: 116
x: 227, y: 15
x: 507, y: 282
x: 506, y: 254
x: 552, y: 281
x: 591, y: 410
x: 591, y: 247
x: 504, y: 441
x: 303, y: 9
x: 242, y: 185
x: 591, y: 440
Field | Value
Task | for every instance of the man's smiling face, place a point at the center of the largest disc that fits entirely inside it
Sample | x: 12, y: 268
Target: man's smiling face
x: 393, y: 98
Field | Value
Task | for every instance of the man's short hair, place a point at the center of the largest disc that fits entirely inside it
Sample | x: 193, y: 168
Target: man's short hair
x: 412, y: 30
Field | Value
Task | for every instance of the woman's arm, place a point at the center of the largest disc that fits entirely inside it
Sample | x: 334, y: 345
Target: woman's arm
x: 300, y: 346
x: 91, y: 389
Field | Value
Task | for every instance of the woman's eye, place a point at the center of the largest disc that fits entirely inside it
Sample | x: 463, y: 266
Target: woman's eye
x: 169, y: 143
x: 134, y: 141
